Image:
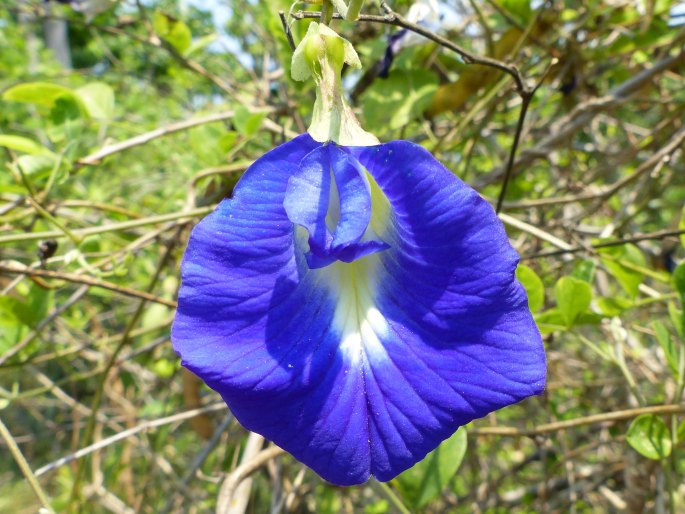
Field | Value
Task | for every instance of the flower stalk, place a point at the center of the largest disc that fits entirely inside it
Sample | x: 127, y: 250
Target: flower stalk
x: 321, y: 55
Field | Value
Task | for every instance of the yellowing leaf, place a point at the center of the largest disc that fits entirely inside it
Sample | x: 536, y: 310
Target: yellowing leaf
x: 24, y: 145
x: 37, y: 93
x: 98, y: 99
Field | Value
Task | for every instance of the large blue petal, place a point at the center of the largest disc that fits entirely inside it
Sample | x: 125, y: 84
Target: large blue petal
x: 460, y: 341
x: 358, y: 368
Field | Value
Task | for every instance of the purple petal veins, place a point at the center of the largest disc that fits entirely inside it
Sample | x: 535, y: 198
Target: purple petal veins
x: 356, y: 305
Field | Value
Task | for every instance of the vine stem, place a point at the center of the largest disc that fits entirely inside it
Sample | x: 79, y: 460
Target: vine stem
x: 88, y: 281
x: 605, y: 417
x: 387, y: 491
x: 25, y: 468
x: 112, y: 227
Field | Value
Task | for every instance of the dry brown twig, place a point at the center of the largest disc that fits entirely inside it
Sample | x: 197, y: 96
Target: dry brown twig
x: 581, y: 116
x: 89, y: 281
x: 142, y: 427
x: 605, y: 417
x: 233, y: 480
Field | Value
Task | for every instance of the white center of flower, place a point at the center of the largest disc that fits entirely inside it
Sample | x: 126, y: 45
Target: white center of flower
x: 357, y: 319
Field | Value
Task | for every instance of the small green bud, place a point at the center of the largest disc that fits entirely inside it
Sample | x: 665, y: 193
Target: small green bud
x: 322, y: 54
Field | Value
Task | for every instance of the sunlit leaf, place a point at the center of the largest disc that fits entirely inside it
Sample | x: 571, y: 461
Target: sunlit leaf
x: 667, y: 345
x: 424, y: 481
x: 37, y: 93
x: 247, y: 123
x: 173, y: 31
x: 624, y: 263
x: 649, y: 436
x: 399, y: 99
x: 573, y: 298
x: 24, y: 144
x: 98, y: 99
x: 533, y: 285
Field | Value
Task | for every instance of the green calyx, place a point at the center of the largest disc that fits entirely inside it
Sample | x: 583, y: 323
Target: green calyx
x: 322, y: 54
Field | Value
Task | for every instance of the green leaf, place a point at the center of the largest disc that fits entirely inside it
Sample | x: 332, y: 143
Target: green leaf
x: 679, y: 279
x: 24, y: 145
x: 173, y: 31
x: 402, y: 97
x: 425, y: 480
x: 98, y: 99
x: 519, y: 8
x: 37, y: 93
x: 34, y: 307
x: 67, y: 108
x: 649, y: 436
x: 584, y: 270
x: 200, y: 44
x: 666, y: 342
x: 247, y: 123
x: 624, y: 263
x: 205, y: 143
x: 550, y: 321
x: 37, y: 165
x: 613, y: 305
x: 164, y: 368
x: 11, y: 326
x: 573, y: 298
x: 228, y: 141
x: 677, y: 318
x: 681, y: 226
x: 533, y: 285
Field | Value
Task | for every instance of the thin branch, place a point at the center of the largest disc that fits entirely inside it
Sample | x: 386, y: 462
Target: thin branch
x: 243, y: 471
x: 563, y: 130
x: 25, y: 468
x: 89, y: 281
x: 201, y: 457
x: 392, y: 18
x: 227, y: 169
x: 111, y: 227
x: 235, y: 501
x: 605, y: 417
x: 655, y: 160
x: 286, y: 29
x: 89, y: 431
x: 146, y: 425
x: 526, y: 98
x: 145, y: 138
x: 58, y: 311
x: 662, y: 234
x: 534, y: 231
x: 525, y: 103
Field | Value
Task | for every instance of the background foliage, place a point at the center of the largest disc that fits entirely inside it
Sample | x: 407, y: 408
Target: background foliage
x: 108, y: 164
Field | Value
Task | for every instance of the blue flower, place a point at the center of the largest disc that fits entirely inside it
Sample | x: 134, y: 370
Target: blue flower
x: 356, y: 306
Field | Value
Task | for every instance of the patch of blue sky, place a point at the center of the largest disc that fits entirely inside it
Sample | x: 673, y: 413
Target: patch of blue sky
x: 221, y: 14
x: 677, y: 15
